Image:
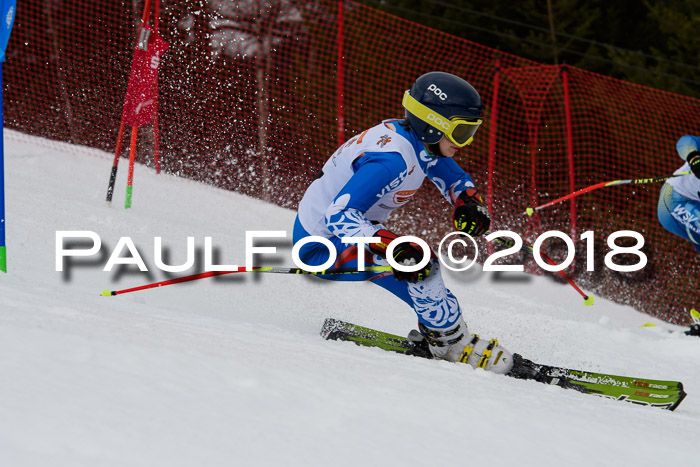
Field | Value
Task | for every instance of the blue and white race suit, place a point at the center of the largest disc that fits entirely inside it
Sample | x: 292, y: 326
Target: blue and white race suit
x: 363, y: 182
x: 679, y: 203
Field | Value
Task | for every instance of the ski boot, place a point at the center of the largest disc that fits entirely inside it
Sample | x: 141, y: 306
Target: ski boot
x: 454, y: 344
x: 695, y: 326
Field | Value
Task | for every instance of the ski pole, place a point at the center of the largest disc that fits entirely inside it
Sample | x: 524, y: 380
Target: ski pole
x: 587, y: 299
x: 270, y: 270
x: 530, y: 211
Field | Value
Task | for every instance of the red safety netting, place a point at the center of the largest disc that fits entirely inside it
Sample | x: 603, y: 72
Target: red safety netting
x: 253, y: 96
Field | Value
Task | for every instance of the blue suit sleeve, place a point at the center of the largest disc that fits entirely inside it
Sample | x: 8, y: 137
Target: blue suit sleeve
x: 450, y: 178
x: 373, y: 172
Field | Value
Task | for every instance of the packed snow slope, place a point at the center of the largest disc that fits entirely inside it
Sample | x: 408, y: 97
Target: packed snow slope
x: 232, y: 371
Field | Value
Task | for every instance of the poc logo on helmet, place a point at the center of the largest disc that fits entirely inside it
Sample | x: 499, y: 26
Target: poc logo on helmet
x: 438, y: 121
x: 437, y: 91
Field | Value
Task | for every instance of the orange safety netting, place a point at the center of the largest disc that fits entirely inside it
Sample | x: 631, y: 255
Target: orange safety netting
x: 255, y: 95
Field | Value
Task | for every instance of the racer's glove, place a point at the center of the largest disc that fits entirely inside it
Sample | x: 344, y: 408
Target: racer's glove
x: 405, y: 254
x: 471, y: 215
x: 693, y: 160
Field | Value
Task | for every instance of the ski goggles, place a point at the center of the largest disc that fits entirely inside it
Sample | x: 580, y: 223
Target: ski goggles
x: 458, y: 130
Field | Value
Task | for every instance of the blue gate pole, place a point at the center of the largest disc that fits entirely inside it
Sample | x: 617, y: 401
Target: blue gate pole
x: 3, y: 249
x: 6, y: 21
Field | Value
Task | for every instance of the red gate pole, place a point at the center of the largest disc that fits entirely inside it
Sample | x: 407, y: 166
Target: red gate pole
x: 146, y: 12
x: 122, y: 127
x: 341, y: 73
x: 132, y: 158
x: 134, y: 129
x: 492, y: 141
x: 532, y: 143
x: 156, y: 135
x: 569, y: 147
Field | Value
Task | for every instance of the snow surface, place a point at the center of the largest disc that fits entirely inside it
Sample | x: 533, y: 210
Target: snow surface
x: 232, y: 371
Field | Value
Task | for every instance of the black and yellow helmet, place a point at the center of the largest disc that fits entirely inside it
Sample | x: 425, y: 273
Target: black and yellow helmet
x: 440, y: 104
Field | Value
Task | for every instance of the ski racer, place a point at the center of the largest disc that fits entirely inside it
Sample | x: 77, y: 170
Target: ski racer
x: 378, y: 171
x: 679, y: 203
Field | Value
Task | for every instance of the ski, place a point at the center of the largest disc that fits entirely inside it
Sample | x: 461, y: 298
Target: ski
x: 694, y: 325
x: 642, y: 391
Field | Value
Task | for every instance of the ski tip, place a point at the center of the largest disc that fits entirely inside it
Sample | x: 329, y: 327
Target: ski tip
x: 529, y: 211
x: 107, y: 293
x: 589, y: 300
x: 647, y: 325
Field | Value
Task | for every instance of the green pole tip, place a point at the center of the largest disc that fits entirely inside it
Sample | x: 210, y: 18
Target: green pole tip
x: 530, y: 211
x: 106, y: 293
x: 129, y: 194
x: 588, y: 301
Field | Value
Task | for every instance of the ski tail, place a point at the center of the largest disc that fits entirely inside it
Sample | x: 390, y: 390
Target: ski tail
x: 334, y: 329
